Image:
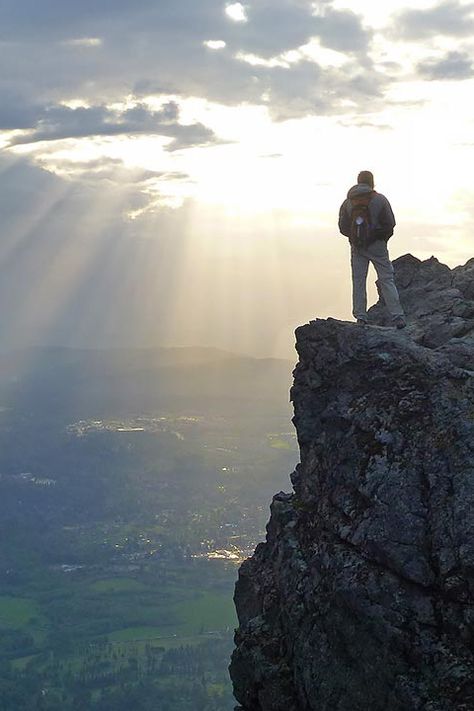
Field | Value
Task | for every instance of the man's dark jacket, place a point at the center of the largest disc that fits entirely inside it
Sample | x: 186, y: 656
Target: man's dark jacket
x: 381, y: 214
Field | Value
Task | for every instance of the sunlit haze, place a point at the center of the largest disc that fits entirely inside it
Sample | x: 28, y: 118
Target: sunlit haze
x: 172, y: 171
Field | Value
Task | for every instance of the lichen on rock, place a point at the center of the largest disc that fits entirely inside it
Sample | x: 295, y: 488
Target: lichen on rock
x: 362, y: 596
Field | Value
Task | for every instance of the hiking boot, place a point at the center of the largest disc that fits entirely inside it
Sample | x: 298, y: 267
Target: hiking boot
x: 399, y: 322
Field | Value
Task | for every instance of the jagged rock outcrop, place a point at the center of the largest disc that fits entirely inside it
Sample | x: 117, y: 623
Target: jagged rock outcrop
x: 362, y: 596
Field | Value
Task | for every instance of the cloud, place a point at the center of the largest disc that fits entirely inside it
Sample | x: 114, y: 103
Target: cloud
x: 56, y: 18
x: 214, y: 44
x: 59, y: 122
x: 360, y: 123
x: 236, y: 12
x: 83, y: 42
x: 450, y: 18
x: 310, y: 89
x: 342, y: 30
x: 110, y: 170
x: 103, y: 51
x: 453, y: 66
x: 274, y: 28
x: 16, y: 111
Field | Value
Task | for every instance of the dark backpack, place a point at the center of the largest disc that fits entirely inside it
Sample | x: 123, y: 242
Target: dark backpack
x: 361, y: 234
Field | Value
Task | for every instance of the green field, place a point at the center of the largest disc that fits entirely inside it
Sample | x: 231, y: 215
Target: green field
x: 17, y: 612
x: 211, y: 612
x: 65, y: 611
x: 22, y: 662
x: 116, y: 630
x: 135, y: 634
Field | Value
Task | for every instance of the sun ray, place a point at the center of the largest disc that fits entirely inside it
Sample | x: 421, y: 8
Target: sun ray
x: 65, y: 264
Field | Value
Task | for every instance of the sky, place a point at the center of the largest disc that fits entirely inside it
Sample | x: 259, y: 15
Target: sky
x: 172, y: 170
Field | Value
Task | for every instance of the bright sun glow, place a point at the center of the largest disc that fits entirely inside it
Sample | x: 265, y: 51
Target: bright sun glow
x: 261, y: 166
x: 377, y: 14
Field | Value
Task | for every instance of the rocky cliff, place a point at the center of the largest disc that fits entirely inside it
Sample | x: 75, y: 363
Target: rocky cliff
x: 362, y: 596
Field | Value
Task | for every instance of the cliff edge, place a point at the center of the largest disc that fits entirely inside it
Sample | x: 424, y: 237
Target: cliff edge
x: 362, y: 596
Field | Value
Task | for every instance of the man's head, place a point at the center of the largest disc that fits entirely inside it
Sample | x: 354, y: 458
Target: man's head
x: 366, y: 177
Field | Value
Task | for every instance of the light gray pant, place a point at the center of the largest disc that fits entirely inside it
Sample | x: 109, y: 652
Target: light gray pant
x: 377, y: 253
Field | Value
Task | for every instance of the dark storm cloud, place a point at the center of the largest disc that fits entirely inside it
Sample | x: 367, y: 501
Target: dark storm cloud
x: 455, y: 66
x: 450, y: 18
x: 61, y: 122
x: 158, y: 46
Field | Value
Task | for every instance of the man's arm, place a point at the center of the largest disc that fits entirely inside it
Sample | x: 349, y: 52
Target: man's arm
x: 344, y: 220
x: 386, y: 220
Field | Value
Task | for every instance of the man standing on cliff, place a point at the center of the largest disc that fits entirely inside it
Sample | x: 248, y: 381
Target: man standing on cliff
x: 367, y: 219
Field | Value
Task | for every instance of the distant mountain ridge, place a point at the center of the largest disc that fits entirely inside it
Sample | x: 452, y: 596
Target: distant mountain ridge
x: 145, y: 379
x: 165, y: 355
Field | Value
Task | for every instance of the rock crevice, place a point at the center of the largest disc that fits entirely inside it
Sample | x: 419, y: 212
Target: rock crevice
x: 362, y: 596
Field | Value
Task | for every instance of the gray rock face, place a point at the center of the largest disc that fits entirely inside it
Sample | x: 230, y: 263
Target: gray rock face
x: 362, y: 596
